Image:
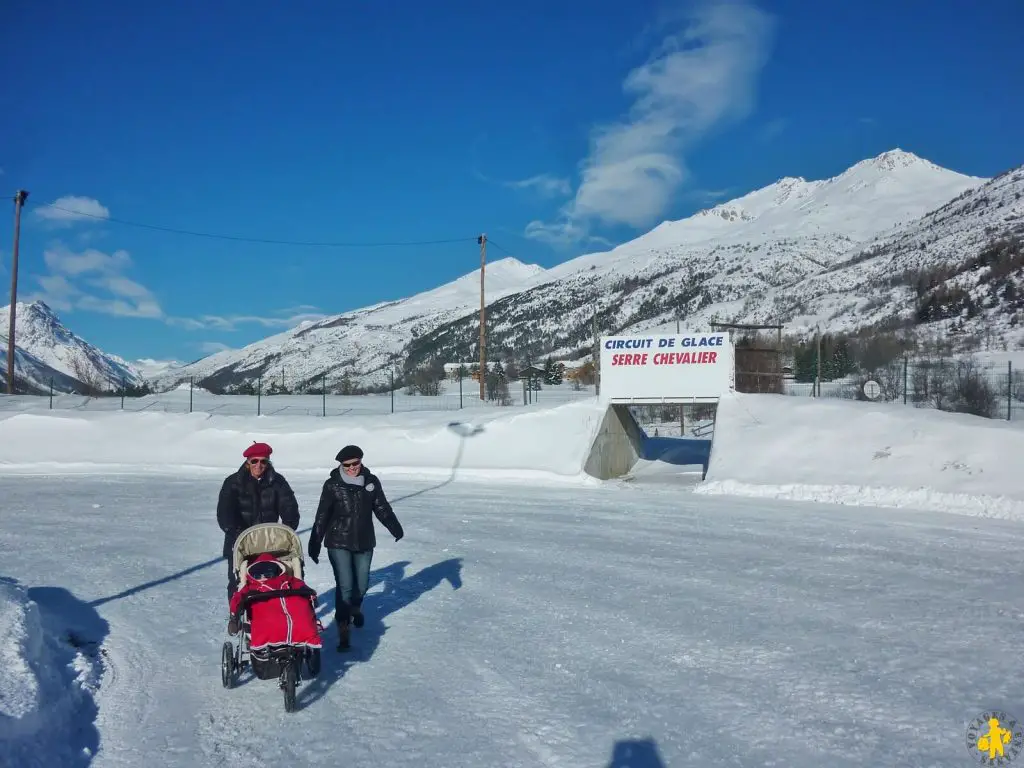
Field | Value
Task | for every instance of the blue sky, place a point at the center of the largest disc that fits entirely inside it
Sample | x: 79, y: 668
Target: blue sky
x: 553, y: 127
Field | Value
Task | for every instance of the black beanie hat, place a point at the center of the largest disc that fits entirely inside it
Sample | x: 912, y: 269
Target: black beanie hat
x: 349, y: 452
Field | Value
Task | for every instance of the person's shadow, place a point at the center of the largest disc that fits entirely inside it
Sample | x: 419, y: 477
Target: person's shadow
x: 399, y: 591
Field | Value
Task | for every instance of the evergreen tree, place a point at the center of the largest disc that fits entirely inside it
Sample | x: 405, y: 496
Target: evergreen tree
x: 549, y: 371
x: 558, y: 373
x: 805, y: 363
x: 839, y: 363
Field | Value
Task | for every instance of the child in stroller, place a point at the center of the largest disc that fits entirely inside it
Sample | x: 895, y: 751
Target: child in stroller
x: 274, y: 609
x: 286, y: 617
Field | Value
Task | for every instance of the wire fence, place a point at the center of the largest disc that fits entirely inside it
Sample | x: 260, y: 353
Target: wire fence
x: 963, y: 386
x: 190, y: 399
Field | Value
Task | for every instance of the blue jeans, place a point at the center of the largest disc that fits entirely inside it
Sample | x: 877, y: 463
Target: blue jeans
x: 351, y: 579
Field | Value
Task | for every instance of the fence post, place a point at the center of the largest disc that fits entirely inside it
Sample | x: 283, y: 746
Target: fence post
x: 323, y: 390
x: 191, y: 386
x: 460, y: 386
x: 392, y: 390
x: 51, y: 393
x: 905, y: 385
x: 122, y: 393
x: 1009, y: 390
x: 259, y: 395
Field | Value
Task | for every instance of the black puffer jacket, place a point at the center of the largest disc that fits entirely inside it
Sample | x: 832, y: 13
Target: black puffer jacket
x: 343, y: 517
x: 245, y: 501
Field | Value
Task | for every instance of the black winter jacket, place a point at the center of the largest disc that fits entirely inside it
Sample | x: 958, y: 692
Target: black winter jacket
x: 343, y: 517
x: 244, y: 502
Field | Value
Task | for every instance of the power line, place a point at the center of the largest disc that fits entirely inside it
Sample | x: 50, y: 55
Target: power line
x: 265, y: 241
x: 503, y: 250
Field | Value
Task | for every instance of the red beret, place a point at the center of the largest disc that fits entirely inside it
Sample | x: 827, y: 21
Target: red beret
x: 258, y: 450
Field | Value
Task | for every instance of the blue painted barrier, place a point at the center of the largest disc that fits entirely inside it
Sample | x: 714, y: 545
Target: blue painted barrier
x: 680, y: 451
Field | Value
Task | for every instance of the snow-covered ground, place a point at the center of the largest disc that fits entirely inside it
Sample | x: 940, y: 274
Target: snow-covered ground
x: 866, y: 453
x: 530, y: 617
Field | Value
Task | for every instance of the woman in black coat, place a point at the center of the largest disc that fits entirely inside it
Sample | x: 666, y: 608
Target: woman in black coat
x: 344, y: 524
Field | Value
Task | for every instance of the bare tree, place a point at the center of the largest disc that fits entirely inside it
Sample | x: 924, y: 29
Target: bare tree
x: 93, y: 383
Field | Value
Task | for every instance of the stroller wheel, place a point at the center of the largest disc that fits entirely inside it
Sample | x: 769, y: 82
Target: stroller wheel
x: 227, y: 665
x: 289, y: 677
x: 313, y: 661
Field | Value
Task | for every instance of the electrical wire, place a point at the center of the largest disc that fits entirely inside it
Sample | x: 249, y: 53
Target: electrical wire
x: 503, y: 250
x: 264, y: 241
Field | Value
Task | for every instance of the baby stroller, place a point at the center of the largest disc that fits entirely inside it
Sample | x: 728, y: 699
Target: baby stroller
x: 261, y: 548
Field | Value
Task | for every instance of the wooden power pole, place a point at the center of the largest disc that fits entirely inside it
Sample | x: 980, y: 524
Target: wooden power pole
x: 19, y: 201
x: 482, y: 239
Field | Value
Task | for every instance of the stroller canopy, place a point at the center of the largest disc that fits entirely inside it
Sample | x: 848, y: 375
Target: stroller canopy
x: 275, y: 539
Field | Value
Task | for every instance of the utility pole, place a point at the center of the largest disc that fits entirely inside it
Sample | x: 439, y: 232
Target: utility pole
x: 596, y: 355
x: 817, y: 354
x: 19, y: 201
x: 482, y: 240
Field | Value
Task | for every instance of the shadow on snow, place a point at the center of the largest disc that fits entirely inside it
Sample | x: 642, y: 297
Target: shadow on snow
x: 61, y: 728
x: 399, y: 591
x: 636, y: 753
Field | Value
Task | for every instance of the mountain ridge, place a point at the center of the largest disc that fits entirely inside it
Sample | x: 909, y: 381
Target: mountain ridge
x: 717, y: 264
x: 48, y: 351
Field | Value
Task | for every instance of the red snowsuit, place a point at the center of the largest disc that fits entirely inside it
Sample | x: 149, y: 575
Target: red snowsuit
x: 281, y: 620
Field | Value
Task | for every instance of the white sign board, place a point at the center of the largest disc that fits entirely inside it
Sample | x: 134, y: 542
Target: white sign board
x: 667, y: 367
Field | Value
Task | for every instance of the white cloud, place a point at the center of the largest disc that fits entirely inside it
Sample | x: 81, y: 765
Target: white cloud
x: 71, y: 208
x: 697, y: 79
x: 546, y: 184
x: 94, y: 281
x: 773, y: 129
x: 283, y: 319
x: 212, y: 347
x: 710, y: 196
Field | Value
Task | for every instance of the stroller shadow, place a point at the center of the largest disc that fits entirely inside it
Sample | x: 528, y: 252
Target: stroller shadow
x: 399, y: 591
x: 636, y: 753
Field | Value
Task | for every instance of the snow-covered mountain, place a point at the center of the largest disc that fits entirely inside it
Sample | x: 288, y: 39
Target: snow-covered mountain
x: 46, y: 349
x: 365, y: 343
x: 773, y: 255
x: 151, y: 369
x: 959, y: 270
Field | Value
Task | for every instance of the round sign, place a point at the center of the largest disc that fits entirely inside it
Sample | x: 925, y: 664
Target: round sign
x: 994, y: 738
x: 872, y: 389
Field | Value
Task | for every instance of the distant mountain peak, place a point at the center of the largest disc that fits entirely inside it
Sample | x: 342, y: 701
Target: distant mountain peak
x: 894, y: 160
x: 56, y: 352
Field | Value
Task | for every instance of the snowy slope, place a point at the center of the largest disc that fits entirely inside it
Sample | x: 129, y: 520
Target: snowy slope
x: 367, y: 340
x: 710, y: 265
x: 50, y: 347
x: 150, y: 368
x: 878, y: 282
x: 33, y: 376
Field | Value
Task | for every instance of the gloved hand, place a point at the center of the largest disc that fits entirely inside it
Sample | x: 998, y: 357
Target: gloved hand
x: 314, y: 553
x: 398, y: 533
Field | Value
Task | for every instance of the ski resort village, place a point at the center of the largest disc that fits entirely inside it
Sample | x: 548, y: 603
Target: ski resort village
x: 667, y: 410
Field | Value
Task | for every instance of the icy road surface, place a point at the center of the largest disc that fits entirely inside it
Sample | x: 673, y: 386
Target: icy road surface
x: 517, y: 625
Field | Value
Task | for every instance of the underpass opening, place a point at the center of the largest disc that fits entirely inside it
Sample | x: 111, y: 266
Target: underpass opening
x: 662, y: 395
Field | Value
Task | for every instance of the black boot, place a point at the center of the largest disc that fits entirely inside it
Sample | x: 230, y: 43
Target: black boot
x: 343, y: 633
x: 357, y: 617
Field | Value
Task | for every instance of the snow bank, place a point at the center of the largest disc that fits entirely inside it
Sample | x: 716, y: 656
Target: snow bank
x: 514, y: 443
x: 878, y: 454
x: 46, y: 683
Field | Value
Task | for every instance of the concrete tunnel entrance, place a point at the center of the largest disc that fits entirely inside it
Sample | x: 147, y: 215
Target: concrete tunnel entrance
x: 676, y: 432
